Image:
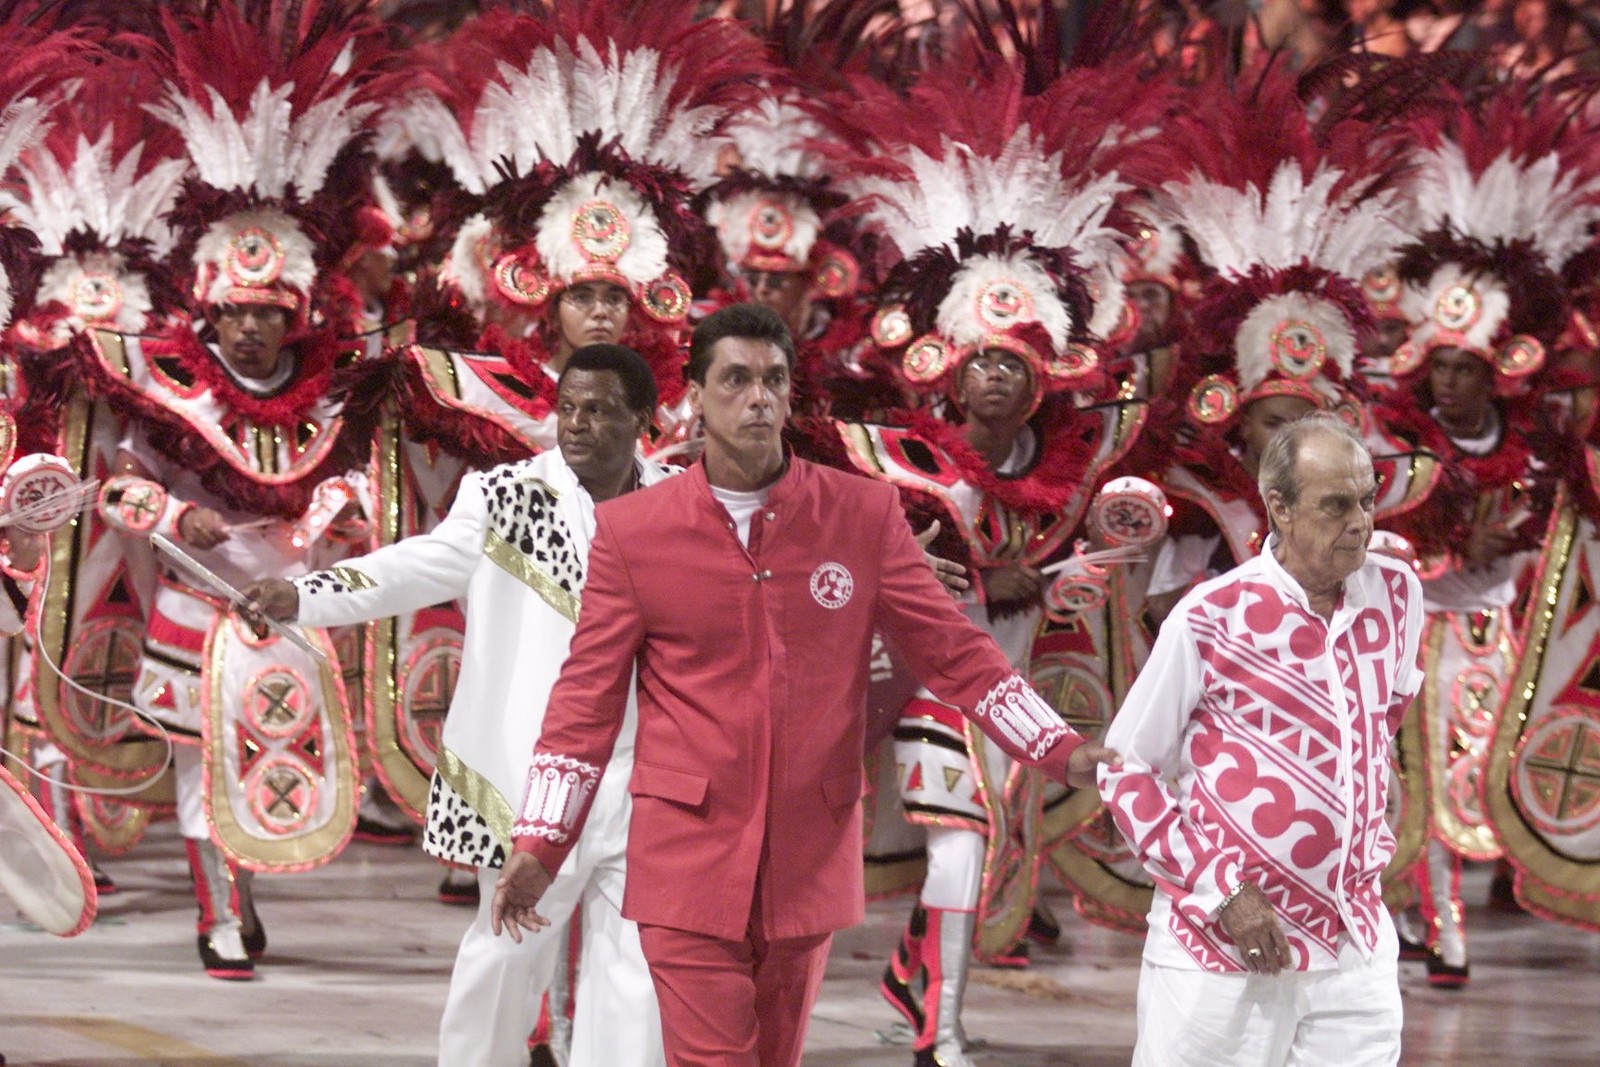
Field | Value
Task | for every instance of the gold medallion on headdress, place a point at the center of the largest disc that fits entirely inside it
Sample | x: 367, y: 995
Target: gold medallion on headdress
x: 1297, y: 348
x: 254, y: 259
x: 516, y: 275
x: 1002, y: 304
x: 1214, y: 399
x: 771, y: 225
x: 667, y: 298
x: 600, y: 231
x: 1520, y: 356
x: 1458, y: 308
x: 891, y: 326
x: 1073, y: 362
x: 837, y: 274
x: 927, y: 359
x: 96, y: 296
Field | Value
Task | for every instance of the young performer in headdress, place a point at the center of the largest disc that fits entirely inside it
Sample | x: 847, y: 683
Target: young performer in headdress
x: 234, y: 453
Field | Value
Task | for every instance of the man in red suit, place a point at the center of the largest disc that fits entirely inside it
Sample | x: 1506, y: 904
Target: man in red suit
x: 746, y: 592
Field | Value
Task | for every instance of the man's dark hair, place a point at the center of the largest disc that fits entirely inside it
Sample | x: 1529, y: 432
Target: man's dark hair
x: 638, y: 381
x: 748, y: 322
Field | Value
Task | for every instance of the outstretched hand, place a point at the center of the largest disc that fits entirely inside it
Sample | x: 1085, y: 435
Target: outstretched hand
x: 522, y: 883
x: 952, y: 575
x: 1084, y: 761
x: 270, y: 598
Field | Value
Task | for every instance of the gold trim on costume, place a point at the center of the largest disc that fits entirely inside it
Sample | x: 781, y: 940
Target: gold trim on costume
x: 358, y: 581
x: 1553, y: 883
x: 514, y: 563
x: 484, y: 798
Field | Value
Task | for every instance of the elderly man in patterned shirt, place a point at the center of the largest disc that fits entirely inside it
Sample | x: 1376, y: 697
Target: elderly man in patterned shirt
x: 1255, y: 770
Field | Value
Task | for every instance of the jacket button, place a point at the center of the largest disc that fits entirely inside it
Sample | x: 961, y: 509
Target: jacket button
x: 771, y: 516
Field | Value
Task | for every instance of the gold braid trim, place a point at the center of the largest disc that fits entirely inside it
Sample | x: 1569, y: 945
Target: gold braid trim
x: 484, y: 798
x: 514, y: 563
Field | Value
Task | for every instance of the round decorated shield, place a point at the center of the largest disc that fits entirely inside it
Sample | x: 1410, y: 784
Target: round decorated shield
x: 40, y: 488
x: 771, y: 224
x: 1520, y: 356
x: 838, y: 274
x: 1129, y: 511
x: 1297, y: 348
x: 1003, y: 303
x: 926, y: 360
x: 1458, y: 308
x: 40, y: 871
x: 517, y: 277
x: 1072, y: 594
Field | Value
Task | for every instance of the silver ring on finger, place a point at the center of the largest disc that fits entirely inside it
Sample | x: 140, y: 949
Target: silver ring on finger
x: 1253, y: 953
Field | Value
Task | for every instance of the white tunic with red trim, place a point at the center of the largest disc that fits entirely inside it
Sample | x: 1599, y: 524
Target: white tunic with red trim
x: 1255, y: 747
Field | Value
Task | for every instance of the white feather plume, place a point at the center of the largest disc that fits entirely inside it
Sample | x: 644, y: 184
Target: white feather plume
x: 461, y: 267
x: 1538, y: 201
x: 1494, y: 305
x: 1110, y: 297
x: 958, y: 319
x: 733, y: 216
x: 1294, y: 220
x: 643, y: 261
x: 5, y: 298
x: 267, y: 151
x: 1253, y: 341
x: 299, y: 267
x: 1020, y: 188
x: 60, y: 283
x: 773, y: 137
x: 97, y: 193
x: 22, y: 123
x: 537, y: 112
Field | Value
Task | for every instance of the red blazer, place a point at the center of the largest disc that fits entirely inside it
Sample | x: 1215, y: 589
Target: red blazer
x: 752, y: 674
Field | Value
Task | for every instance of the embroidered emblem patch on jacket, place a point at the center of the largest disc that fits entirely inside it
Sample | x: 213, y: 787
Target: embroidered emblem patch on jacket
x: 831, y: 585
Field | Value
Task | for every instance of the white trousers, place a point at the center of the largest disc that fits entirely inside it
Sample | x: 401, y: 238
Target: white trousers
x: 495, y: 987
x: 1349, y: 1017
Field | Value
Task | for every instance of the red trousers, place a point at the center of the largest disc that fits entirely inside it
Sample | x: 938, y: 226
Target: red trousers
x: 734, y: 1003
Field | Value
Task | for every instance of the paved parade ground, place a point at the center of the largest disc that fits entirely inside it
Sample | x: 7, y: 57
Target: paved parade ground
x: 360, y: 952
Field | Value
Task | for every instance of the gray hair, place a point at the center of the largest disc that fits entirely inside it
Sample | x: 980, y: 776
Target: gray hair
x: 1277, y: 469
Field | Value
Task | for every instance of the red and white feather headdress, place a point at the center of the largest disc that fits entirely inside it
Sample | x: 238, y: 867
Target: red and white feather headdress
x: 584, y: 133
x: 268, y: 106
x: 998, y: 203
x: 770, y: 211
x: 34, y: 63
x: 95, y: 192
x: 1505, y: 197
x: 1289, y: 222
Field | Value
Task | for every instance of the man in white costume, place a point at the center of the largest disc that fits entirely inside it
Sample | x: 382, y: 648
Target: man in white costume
x: 1255, y: 773
x: 515, y: 547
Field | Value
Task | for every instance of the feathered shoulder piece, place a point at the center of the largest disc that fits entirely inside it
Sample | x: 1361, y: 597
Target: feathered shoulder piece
x: 1289, y: 219
x: 583, y: 130
x: 1507, y: 192
x: 268, y: 97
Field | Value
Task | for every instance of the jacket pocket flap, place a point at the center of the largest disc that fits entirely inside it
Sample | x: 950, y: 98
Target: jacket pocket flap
x: 680, y: 787
x: 841, y: 790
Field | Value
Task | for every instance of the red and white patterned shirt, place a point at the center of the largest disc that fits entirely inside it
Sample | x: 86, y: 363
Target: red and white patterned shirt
x: 1255, y: 746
